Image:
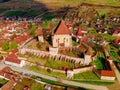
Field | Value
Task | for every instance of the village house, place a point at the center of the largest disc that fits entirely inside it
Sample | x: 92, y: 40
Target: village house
x: 116, y: 33
x: 40, y: 35
x: 13, y: 60
x: 62, y: 36
x: 8, y: 74
x: 107, y: 73
x: 79, y: 34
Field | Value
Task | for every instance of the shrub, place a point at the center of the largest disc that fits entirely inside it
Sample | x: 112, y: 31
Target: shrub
x: 48, y: 70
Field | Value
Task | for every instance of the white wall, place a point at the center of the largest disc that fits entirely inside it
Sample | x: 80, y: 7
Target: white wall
x: 66, y: 39
x: 107, y: 78
x: 22, y: 63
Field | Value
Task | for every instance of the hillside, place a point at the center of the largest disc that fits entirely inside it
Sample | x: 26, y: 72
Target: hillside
x: 37, y: 4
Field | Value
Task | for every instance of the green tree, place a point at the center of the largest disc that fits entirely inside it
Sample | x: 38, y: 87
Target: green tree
x: 12, y: 45
x: 5, y: 46
x: 34, y: 30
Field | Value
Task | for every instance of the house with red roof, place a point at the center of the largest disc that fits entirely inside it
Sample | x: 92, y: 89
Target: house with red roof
x: 13, y: 60
x: 8, y: 74
x: 62, y: 36
x: 69, y: 25
x: 40, y: 35
x: 117, y: 41
x: 107, y: 75
x: 79, y: 34
x: 116, y: 33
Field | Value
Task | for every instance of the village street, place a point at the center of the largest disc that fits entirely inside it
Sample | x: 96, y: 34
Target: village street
x: 25, y: 70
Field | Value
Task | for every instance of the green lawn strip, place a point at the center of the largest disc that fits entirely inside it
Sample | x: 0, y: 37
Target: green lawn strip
x: 98, y: 64
x: 15, y: 13
x: 113, y: 52
x: 3, y: 81
x: 45, y: 24
x: 58, y: 64
x: 33, y: 13
x: 86, y: 75
x: 108, y: 37
x: 48, y: 16
x: 61, y: 84
x: 38, y: 60
x: 43, y: 71
x: 95, y: 82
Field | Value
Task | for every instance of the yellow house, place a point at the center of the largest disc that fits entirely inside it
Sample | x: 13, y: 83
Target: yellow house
x: 61, y: 36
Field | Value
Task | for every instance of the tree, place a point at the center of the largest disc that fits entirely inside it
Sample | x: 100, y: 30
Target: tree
x: 34, y: 30
x: 12, y: 45
x: 5, y: 46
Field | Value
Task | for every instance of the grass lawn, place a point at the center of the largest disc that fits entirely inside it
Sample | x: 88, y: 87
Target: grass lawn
x: 59, y: 64
x: 61, y: 84
x: 60, y: 3
x: 43, y: 71
x: 3, y: 81
x: 98, y: 64
x: 36, y: 59
x: 108, y: 37
x: 88, y: 75
x: 49, y: 16
x: 95, y: 82
x: 15, y: 13
x: 30, y: 83
x: 91, y: 31
x: 74, y: 43
x: 32, y: 13
x: 113, y: 51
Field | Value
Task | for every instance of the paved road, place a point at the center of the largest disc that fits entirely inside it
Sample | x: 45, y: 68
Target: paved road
x: 25, y: 70
x: 117, y: 73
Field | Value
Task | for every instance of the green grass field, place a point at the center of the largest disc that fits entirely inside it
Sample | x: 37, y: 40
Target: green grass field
x: 103, y: 2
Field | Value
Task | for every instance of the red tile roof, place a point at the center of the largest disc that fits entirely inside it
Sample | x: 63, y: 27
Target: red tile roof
x: 5, y: 32
x: 107, y: 73
x: 6, y: 69
x: 87, y: 52
x: 109, y: 58
x: 39, y: 32
x: 69, y: 24
x: 79, y: 31
x: 21, y: 38
x: 13, y: 58
x: 62, y: 28
x: 25, y: 25
x: 8, y: 85
x: 14, y: 50
x: 117, y: 41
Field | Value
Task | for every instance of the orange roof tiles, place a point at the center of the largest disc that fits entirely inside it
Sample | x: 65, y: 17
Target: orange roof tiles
x: 39, y: 32
x: 21, y: 38
x: 13, y: 58
x: 6, y: 69
x: 87, y: 52
x: 107, y: 73
x: 79, y: 31
x: 62, y: 28
x: 8, y: 85
x: 117, y: 41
